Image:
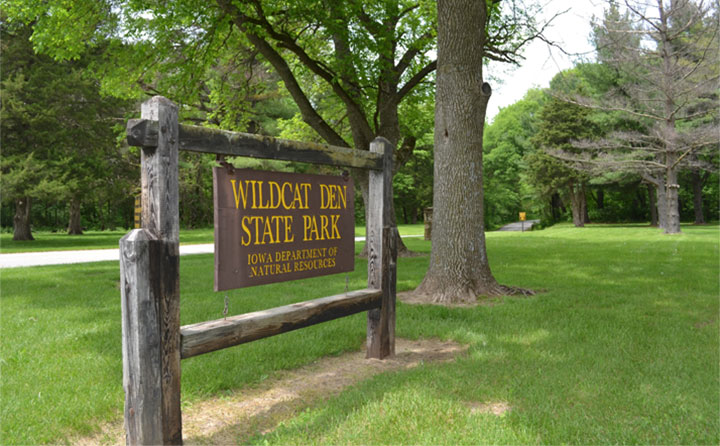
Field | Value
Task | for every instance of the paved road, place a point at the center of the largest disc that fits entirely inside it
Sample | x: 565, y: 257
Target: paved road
x: 518, y: 225
x: 21, y: 259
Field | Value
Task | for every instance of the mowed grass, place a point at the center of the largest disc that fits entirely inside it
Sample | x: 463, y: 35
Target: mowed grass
x: 60, y: 241
x: 622, y: 346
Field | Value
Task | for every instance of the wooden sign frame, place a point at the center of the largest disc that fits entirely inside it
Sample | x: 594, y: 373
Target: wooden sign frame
x: 153, y: 342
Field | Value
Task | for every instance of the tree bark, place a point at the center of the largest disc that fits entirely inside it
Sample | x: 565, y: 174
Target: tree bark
x: 672, y: 223
x: 673, y: 204
x: 661, y: 206
x: 75, y: 223
x: 577, y: 204
x: 21, y: 220
x: 459, y: 270
x: 697, y: 185
x: 652, y: 199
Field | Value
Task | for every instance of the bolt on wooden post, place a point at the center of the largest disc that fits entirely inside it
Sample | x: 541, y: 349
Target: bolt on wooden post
x: 149, y: 277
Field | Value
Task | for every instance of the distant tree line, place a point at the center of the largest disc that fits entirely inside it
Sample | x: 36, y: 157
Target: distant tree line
x: 584, y: 150
x: 631, y: 137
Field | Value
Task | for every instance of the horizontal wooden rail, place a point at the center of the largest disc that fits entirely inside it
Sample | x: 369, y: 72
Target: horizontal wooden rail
x: 205, y: 337
x: 144, y: 133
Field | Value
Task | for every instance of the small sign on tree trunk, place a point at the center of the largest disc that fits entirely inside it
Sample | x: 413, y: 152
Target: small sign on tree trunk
x: 276, y: 226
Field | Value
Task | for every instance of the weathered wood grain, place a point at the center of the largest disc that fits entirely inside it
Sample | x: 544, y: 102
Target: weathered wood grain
x: 159, y: 174
x: 140, y: 339
x: 209, y: 336
x: 381, y: 255
x: 150, y: 282
x: 144, y: 133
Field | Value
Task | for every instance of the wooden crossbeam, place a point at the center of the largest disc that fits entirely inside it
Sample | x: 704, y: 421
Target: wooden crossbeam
x: 143, y: 133
x: 205, y: 337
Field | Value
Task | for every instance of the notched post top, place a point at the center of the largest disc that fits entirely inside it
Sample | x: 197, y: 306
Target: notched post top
x: 138, y: 133
x: 138, y: 236
x: 150, y: 108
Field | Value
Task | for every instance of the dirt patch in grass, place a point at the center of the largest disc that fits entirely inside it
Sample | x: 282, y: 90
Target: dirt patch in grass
x: 706, y: 323
x: 497, y: 408
x: 233, y: 418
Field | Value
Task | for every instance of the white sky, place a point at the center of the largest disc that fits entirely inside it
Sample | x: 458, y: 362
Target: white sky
x: 571, y: 31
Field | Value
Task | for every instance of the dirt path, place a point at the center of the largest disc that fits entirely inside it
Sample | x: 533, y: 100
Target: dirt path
x: 235, y: 418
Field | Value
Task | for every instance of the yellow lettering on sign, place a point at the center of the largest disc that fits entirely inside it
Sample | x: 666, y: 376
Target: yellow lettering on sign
x: 283, y: 194
x: 241, y: 195
x: 335, y: 232
x: 332, y: 196
x: 273, y: 195
x: 274, y: 202
x: 324, y: 234
x: 289, y: 236
x: 327, y: 229
x: 306, y: 189
x: 310, y: 228
x: 267, y: 229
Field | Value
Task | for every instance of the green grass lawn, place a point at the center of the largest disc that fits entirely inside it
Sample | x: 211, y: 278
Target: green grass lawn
x: 622, y: 346
x: 60, y: 241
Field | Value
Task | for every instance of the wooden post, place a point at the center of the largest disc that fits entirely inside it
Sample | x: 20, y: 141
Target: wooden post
x: 150, y: 287
x: 382, y: 255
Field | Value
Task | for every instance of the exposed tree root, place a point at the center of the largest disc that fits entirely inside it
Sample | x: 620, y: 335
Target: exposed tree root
x: 463, y: 296
x: 507, y: 290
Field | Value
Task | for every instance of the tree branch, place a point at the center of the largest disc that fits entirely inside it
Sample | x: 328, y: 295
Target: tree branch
x: 317, y: 67
x: 309, y: 114
x: 409, y: 55
x: 416, y: 79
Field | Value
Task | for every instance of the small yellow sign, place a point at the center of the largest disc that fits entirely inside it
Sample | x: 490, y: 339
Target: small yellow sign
x: 522, y: 216
x: 138, y: 211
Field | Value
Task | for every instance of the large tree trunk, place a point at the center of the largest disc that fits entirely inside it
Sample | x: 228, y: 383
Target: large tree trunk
x: 577, y: 204
x: 21, y: 220
x: 583, y: 204
x: 652, y: 199
x: 75, y: 223
x: 661, y: 206
x: 697, y: 185
x: 459, y: 270
x: 673, y: 203
x: 669, y: 132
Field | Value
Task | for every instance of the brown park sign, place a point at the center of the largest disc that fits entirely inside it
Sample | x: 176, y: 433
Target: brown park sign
x: 275, y: 226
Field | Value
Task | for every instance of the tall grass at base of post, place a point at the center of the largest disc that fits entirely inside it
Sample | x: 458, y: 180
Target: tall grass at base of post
x: 620, y: 346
